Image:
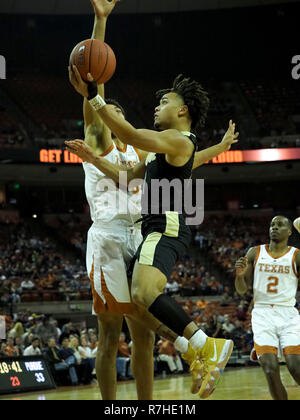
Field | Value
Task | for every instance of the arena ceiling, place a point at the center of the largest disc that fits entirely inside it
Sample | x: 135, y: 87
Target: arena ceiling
x: 126, y: 6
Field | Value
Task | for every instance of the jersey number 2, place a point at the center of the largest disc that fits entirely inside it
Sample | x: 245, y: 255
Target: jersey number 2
x: 271, y: 288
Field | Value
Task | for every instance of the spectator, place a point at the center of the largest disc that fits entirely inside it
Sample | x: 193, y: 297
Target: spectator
x: 16, y: 331
x: 34, y: 348
x: 172, y: 287
x: 27, y: 339
x: 11, y: 350
x: 167, y: 353
x: 58, y: 364
x: 85, y: 365
x: 19, y: 345
x: 214, y: 327
x: 241, y: 312
x: 66, y: 353
x: 238, y: 335
x: 86, y: 352
x: 225, y: 299
x: 67, y: 330
x: 123, y: 358
x: 3, y: 352
x: 46, y: 330
x: 249, y: 342
x: 227, y: 327
x: 93, y: 343
x: 27, y: 285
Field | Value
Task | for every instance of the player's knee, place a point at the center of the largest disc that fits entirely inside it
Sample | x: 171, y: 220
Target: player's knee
x: 139, y: 298
x: 109, y: 343
x: 145, y: 297
x: 270, y: 369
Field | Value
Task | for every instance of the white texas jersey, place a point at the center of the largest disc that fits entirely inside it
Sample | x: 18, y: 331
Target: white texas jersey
x: 107, y: 202
x: 275, y: 279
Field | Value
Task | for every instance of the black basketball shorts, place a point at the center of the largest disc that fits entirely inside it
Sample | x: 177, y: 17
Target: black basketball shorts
x: 165, y: 240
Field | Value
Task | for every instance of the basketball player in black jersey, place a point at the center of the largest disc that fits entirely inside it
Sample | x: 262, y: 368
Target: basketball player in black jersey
x: 166, y: 236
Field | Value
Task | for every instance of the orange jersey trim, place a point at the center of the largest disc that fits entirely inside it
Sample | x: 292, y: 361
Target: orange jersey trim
x: 291, y: 350
x: 138, y: 153
x: 111, y: 305
x: 265, y: 349
x: 294, y: 262
x: 257, y: 255
x: 122, y: 150
x: 275, y: 258
x: 110, y: 149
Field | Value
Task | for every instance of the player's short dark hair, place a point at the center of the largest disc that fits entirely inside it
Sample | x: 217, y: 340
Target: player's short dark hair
x: 194, y: 96
x: 290, y: 223
x: 110, y: 101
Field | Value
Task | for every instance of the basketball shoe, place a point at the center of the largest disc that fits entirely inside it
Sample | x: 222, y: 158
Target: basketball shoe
x: 212, y: 358
x: 191, y: 357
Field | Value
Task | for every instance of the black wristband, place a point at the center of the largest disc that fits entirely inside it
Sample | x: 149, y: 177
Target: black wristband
x: 92, y: 90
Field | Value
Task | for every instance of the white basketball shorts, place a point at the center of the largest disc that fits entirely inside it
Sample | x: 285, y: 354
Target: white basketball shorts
x: 109, y: 252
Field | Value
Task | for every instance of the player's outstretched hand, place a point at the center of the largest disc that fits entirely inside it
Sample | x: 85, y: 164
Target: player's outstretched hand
x: 79, y: 84
x: 103, y: 8
x: 241, y: 266
x: 230, y: 137
x: 296, y: 224
x: 82, y: 150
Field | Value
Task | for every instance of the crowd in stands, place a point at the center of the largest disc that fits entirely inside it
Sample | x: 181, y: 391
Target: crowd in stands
x: 226, y: 238
x: 12, y: 133
x: 32, y: 268
x: 70, y: 349
x: 273, y: 106
x: 32, y: 264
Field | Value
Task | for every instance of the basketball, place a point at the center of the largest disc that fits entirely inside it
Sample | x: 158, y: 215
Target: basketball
x: 95, y: 57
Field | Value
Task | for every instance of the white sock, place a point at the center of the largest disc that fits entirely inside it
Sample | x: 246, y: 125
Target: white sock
x: 198, y: 340
x: 181, y: 344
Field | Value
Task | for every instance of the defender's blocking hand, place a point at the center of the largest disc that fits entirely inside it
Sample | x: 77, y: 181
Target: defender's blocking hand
x: 230, y: 137
x: 103, y: 8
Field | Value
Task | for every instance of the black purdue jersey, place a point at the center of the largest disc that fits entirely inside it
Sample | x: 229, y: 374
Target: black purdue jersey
x: 163, y: 192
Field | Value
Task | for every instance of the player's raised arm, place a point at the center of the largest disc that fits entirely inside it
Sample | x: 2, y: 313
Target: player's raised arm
x: 230, y: 138
x: 97, y: 135
x: 87, y: 154
x: 170, y: 142
x: 244, y: 271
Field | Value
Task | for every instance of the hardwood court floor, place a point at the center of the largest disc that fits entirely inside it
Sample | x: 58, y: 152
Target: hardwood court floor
x: 236, y: 384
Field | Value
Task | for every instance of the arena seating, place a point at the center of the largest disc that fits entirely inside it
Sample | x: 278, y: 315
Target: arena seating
x: 55, y: 109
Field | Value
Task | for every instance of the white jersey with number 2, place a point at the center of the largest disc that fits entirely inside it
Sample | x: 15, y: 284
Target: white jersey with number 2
x: 275, y: 279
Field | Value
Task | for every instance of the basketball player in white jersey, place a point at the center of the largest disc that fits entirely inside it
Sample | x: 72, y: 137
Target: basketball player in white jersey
x: 274, y: 269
